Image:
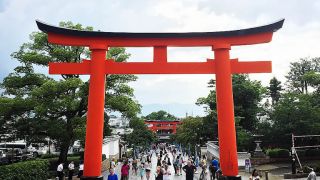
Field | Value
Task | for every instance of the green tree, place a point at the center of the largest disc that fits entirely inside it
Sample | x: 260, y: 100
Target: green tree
x: 160, y: 115
x: 189, y: 132
x: 246, y: 94
x: 57, y: 108
x: 274, y: 90
x: 296, y: 77
x: 141, y: 135
x: 294, y: 113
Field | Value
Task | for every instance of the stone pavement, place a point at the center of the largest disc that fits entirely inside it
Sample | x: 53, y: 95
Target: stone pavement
x: 244, y: 175
x: 153, y: 171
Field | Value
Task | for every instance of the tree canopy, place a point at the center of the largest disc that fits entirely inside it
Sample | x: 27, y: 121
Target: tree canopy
x: 39, y: 106
x: 160, y: 115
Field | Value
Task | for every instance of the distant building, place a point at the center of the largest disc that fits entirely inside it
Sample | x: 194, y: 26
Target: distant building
x: 163, y: 128
x: 118, y: 122
x: 113, y: 147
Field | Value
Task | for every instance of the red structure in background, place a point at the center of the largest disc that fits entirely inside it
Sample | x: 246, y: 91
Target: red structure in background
x: 99, y: 66
x: 162, y: 127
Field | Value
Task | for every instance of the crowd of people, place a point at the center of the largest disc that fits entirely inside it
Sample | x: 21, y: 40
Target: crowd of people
x: 181, y: 162
x: 168, y: 157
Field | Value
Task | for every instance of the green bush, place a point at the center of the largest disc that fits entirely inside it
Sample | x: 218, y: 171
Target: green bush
x: 54, y: 162
x: 278, y: 153
x: 33, y: 170
x: 312, y: 152
x: 47, y: 156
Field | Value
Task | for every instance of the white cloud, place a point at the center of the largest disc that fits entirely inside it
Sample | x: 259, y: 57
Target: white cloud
x: 298, y: 38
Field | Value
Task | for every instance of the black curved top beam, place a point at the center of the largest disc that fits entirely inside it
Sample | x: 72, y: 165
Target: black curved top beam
x: 242, y: 32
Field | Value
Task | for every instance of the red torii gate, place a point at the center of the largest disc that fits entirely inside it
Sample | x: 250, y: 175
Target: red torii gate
x: 99, y: 66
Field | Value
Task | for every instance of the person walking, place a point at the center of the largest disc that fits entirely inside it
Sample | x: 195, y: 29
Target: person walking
x: 142, y: 171
x: 214, y: 166
x: 71, y: 170
x: 80, y: 173
x: 254, y: 175
x: 113, y: 163
x: 135, y: 167
x: 125, y: 171
x: 60, y: 171
x: 180, y: 164
x: 189, y: 169
x: 204, y: 172
x: 159, y: 173
x: 312, y: 175
x: 148, y: 171
x: 166, y: 173
x: 112, y: 175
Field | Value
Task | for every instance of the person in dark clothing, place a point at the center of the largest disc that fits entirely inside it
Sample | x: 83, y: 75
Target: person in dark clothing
x: 159, y: 175
x: 189, y: 169
x: 159, y: 161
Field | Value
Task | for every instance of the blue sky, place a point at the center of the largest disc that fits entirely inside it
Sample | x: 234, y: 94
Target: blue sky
x: 298, y: 38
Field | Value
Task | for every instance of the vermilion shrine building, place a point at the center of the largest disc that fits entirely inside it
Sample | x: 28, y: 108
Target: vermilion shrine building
x: 163, y: 128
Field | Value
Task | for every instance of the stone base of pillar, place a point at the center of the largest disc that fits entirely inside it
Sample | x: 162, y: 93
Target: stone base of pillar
x: 91, y: 178
x: 230, y: 178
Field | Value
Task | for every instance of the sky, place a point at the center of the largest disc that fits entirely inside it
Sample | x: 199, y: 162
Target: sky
x: 298, y: 38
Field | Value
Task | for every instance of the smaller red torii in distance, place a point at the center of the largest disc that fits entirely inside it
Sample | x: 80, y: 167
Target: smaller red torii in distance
x: 98, y: 67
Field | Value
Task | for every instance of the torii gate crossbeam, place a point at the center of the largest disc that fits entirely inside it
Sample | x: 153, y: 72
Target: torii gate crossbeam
x: 221, y: 43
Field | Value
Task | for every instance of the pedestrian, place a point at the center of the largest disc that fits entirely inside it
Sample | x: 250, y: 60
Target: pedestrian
x: 60, y: 171
x: 142, y: 170
x: 254, y: 175
x: 159, y: 161
x: 312, y: 175
x: 112, y: 163
x: 71, y: 169
x: 112, y: 175
x: 143, y: 159
x: 125, y: 171
x: 214, y: 166
x: 148, y: 171
x: 159, y: 173
x: 175, y: 164
x: 189, y: 169
x: 80, y: 173
x: 135, y: 166
x: 204, y: 161
x: 168, y: 161
x: 204, y: 172
x: 166, y: 173
x: 180, y: 164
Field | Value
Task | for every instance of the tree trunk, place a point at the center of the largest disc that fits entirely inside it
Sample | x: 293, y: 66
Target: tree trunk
x: 64, y: 152
x: 67, y: 141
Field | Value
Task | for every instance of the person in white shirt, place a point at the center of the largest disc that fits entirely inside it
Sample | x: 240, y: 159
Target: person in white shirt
x: 71, y: 169
x: 113, y: 163
x: 80, y: 169
x: 312, y: 175
x: 60, y: 171
x: 166, y: 173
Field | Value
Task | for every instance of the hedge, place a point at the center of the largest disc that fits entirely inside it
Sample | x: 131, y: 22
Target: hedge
x: 278, y: 153
x: 312, y: 152
x: 33, y: 170
x: 54, y: 162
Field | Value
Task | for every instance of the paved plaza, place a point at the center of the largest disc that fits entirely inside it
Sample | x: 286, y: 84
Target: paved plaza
x: 244, y: 175
x: 153, y: 170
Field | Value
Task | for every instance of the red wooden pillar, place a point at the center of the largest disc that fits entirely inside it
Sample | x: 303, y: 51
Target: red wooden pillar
x: 226, y: 124
x: 95, y: 116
